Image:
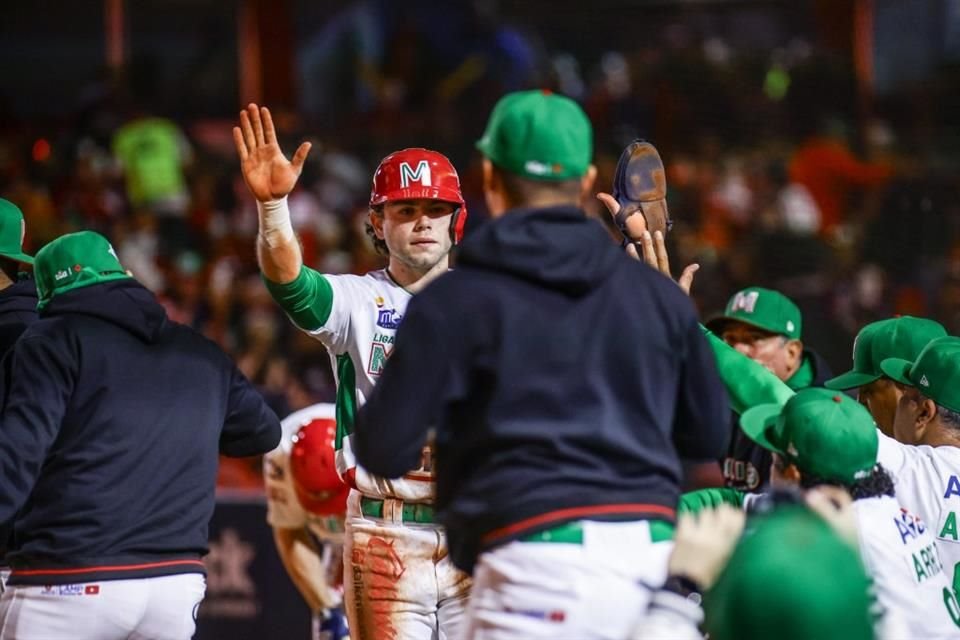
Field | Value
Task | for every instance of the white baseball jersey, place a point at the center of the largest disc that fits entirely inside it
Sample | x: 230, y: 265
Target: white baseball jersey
x: 359, y: 334
x: 901, y: 558
x: 283, y: 507
x: 927, y: 481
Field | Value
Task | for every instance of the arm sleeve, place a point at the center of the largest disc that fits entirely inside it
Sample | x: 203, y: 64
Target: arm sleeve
x: 251, y: 427
x: 701, y: 429
x: 308, y: 300
x: 748, y: 383
x: 701, y: 499
x: 38, y: 381
x: 392, y: 426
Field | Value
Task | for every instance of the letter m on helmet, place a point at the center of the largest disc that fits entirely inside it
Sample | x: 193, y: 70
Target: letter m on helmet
x: 421, y: 174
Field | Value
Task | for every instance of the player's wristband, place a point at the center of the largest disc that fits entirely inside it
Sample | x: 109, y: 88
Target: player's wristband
x: 685, y: 587
x: 275, y: 226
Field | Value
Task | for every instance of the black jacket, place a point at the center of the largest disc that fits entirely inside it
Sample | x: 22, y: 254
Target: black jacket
x: 563, y: 379
x: 747, y: 465
x: 113, y: 417
x: 18, y: 310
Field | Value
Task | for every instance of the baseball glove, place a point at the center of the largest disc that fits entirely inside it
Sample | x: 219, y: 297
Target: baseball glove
x: 640, y: 186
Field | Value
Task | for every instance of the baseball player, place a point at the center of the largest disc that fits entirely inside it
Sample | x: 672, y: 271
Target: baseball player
x: 399, y: 581
x: 825, y: 437
x: 766, y: 326
x: 925, y: 457
x: 557, y: 441
x: 902, y: 337
x: 306, y: 505
x: 113, y: 418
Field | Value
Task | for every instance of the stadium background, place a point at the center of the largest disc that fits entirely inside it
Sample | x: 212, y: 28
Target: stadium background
x: 731, y: 91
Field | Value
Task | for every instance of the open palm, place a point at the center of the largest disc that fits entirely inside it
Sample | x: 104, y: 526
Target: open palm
x: 267, y: 172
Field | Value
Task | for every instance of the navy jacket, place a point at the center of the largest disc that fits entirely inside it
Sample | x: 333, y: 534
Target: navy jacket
x: 112, y: 420
x: 562, y: 379
x: 18, y: 310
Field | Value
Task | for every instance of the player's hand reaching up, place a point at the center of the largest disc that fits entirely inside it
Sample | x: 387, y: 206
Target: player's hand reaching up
x: 267, y: 172
x: 654, y: 246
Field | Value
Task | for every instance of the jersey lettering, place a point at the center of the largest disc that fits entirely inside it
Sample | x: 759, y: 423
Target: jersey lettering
x: 378, y: 357
x: 949, y: 529
x: 953, y: 487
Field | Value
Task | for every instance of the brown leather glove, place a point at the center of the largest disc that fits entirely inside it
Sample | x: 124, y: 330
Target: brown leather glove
x: 640, y: 186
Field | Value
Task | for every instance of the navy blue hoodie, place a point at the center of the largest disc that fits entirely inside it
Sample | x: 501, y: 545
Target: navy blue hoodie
x: 112, y: 421
x: 562, y: 379
x: 18, y: 310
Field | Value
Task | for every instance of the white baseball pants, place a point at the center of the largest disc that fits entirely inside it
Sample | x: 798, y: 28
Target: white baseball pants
x: 399, y: 582
x: 163, y: 608
x: 596, y: 589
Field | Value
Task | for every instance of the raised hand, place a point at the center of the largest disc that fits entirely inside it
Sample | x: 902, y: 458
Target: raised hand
x: 654, y: 246
x: 267, y: 172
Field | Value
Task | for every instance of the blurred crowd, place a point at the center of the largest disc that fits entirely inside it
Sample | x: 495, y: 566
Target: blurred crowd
x: 779, y: 175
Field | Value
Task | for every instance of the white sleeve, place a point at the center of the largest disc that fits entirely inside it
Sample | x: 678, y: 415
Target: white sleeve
x: 283, y: 508
x: 335, y: 332
x: 892, y: 454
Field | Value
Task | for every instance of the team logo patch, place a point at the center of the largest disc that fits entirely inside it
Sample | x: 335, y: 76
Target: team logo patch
x: 389, y: 318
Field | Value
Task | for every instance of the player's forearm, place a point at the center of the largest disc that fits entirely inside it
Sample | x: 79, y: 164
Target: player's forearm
x: 278, y: 251
x: 301, y: 559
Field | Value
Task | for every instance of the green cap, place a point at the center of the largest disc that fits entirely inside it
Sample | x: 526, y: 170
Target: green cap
x: 823, y: 432
x: 762, y: 308
x: 935, y: 372
x: 791, y: 578
x: 538, y: 135
x: 73, y: 261
x: 12, y: 230
x: 902, y: 337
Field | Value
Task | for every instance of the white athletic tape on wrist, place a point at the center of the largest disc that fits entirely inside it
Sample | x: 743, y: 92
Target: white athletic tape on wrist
x: 275, y: 227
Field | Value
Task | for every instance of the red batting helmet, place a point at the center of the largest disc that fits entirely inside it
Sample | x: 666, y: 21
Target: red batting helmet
x: 420, y: 173
x: 314, y: 470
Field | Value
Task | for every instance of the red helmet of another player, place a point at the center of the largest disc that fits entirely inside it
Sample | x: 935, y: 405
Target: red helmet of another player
x: 420, y: 173
x: 314, y: 471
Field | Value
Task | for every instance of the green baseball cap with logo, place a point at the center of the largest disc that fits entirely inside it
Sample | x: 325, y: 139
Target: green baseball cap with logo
x: 935, y: 372
x: 12, y: 231
x: 762, y: 308
x: 74, y: 261
x: 538, y: 135
x: 903, y: 337
x: 791, y: 578
x: 822, y: 432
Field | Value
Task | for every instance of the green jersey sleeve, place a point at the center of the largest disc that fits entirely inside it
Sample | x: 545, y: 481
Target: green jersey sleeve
x: 308, y: 300
x: 701, y: 499
x: 748, y: 383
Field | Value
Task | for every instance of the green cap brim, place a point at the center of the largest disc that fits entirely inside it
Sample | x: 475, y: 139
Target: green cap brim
x: 850, y: 380
x: 897, y: 369
x: 718, y: 324
x: 757, y: 420
x: 19, y: 257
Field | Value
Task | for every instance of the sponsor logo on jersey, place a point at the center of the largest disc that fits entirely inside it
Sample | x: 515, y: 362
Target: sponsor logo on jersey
x: 91, y: 590
x: 741, y: 474
x: 389, y: 318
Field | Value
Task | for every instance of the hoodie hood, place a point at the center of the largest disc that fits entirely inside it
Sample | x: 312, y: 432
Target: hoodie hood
x: 557, y: 247
x: 21, y: 296
x: 125, y: 303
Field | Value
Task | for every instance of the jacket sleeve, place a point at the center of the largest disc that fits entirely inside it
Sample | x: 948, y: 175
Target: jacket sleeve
x: 392, y: 426
x: 748, y: 383
x: 251, y: 427
x: 701, y: 428
x: 37, y: 381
